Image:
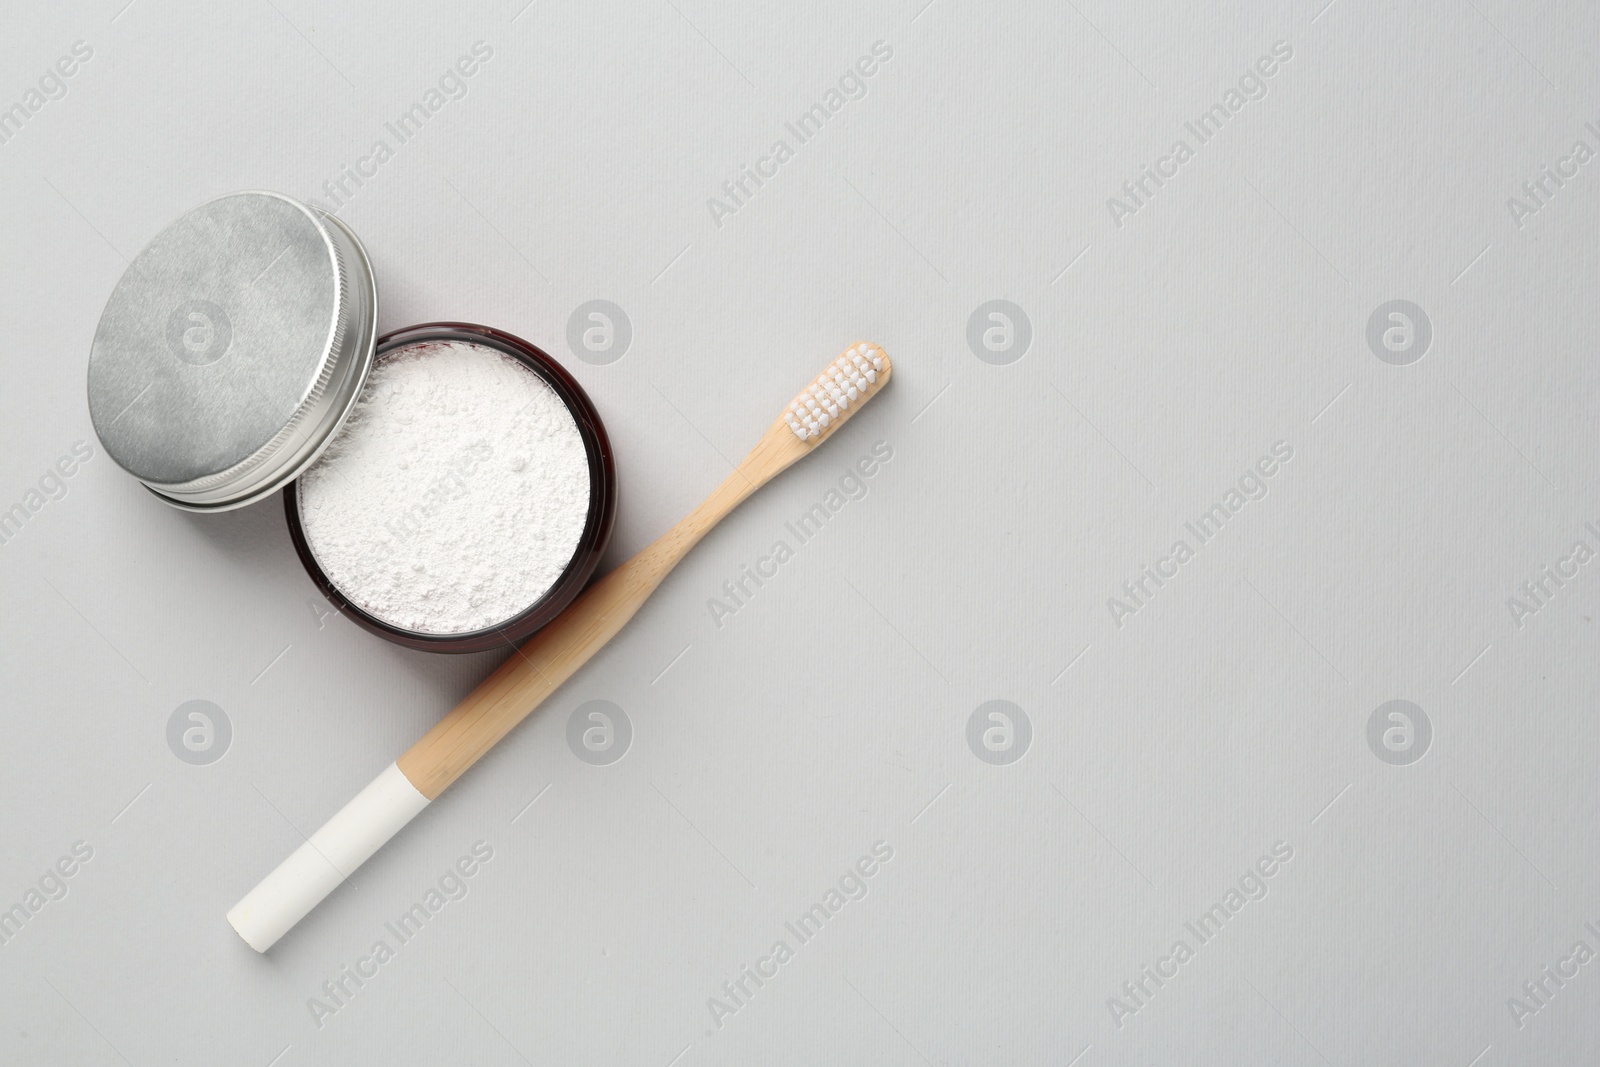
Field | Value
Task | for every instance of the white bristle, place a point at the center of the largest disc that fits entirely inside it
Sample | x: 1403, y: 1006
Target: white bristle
x: 827, y: 399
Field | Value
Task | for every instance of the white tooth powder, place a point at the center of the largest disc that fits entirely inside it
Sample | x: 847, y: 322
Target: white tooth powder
x: 456, y: 493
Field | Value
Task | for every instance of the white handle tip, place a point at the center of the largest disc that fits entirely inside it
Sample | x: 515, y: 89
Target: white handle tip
x: 327, y: 858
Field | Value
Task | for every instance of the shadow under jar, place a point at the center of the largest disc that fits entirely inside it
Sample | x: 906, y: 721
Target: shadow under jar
x: 467, y: 499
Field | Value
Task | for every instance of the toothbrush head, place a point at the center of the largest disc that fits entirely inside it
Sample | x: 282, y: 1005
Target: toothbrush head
x: 847, y: 383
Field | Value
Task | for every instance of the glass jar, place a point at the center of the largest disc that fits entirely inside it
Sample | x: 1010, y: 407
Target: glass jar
x: 591, y: 543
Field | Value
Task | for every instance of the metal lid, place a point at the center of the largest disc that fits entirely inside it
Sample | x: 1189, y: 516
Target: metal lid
x: 232, y: 349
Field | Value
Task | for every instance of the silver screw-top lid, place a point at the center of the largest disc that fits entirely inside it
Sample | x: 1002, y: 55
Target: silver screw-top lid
x: 231, y: 350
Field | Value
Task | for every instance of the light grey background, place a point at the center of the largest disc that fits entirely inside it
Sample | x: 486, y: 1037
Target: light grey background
x: 830, y: 712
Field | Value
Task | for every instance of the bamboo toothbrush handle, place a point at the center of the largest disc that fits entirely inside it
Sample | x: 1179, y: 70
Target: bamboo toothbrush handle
x: 552, y: 655
x: 539, y: 667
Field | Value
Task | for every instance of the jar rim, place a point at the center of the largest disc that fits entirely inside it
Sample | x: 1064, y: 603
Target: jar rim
x: 592, y: 541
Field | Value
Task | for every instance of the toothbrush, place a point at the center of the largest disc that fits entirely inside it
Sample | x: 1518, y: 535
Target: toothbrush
x: 546, y: 660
